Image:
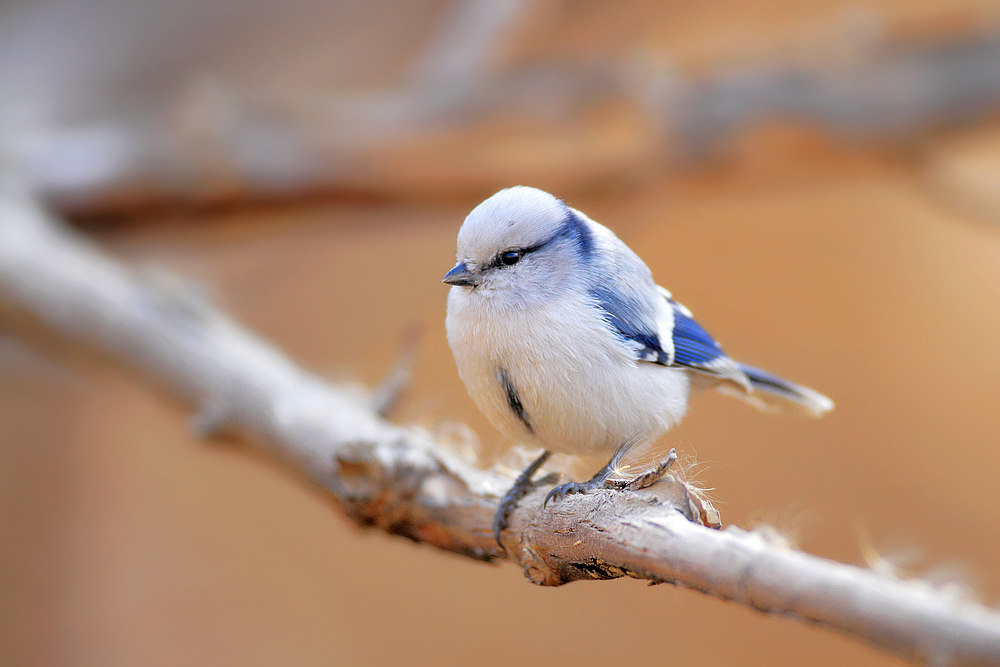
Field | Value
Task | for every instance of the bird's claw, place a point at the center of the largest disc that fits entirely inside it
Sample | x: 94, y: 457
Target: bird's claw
x: 603, y: 480
x: 563, y: 490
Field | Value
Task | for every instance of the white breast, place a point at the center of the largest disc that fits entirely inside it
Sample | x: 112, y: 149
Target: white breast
x: 580, y: 387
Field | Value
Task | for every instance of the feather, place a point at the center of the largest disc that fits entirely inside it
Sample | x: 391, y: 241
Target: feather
x: 771, y: 392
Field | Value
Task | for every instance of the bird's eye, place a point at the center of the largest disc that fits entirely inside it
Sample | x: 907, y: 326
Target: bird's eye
x: 510, y: 258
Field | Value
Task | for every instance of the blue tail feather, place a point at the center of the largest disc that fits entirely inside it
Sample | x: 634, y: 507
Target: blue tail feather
x: 768, y: 386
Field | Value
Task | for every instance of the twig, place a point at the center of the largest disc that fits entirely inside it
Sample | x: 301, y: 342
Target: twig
x: 402, y: 481
x: 387, y: 394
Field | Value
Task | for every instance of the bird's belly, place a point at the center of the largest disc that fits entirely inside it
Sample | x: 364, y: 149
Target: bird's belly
x: 579, y: 391
x: 597, y: 407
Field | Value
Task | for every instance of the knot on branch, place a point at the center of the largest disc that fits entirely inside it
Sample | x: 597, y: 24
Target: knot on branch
x: 413, y: 493
x: 373, y: 492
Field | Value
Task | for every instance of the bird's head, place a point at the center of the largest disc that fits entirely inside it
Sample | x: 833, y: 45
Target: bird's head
x: 522, y: 242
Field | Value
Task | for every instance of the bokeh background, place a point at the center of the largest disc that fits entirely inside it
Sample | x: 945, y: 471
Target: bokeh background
x: 819, y: 181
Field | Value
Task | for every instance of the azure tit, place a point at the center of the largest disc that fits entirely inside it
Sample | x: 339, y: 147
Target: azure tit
x: 565, y: 342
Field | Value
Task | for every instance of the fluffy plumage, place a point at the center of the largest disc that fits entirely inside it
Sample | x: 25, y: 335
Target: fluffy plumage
x: 564, y: 340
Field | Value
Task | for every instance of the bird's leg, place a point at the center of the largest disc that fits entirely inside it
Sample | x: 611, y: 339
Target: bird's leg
x: 602, y: 479
x: 522, y: 486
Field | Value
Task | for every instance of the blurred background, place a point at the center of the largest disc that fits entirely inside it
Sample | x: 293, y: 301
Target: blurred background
x: 818, y: 180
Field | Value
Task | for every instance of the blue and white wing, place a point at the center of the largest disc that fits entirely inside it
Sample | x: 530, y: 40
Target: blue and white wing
x: 672, y: 337
x: 662, y: 331
x: 696, y: 349
x: 634, y: 321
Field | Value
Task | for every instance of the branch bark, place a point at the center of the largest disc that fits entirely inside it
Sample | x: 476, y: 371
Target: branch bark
x: 401, y: 481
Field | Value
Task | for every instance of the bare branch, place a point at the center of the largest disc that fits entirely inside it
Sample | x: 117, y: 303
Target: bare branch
x: 402, y: 481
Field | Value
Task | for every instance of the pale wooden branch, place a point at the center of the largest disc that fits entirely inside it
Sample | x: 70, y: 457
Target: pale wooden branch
x: 402, y: 481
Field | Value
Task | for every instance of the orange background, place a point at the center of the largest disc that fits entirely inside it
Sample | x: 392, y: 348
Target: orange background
x: 852, y: 269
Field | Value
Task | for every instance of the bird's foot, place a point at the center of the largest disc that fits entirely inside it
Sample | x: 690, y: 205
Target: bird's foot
x: 570, y: 488
x: 523, y: 485
x: 604, y: 480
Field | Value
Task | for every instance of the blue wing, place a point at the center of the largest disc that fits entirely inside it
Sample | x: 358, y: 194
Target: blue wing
x: 682, y: 342
x: 673, y: 339
x: 693, y: 346
x: 632, y: 320
x: 646, y: 317
x: 659, y: 330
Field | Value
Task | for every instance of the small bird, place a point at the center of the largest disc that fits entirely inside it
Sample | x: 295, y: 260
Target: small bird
x: 565, y: 342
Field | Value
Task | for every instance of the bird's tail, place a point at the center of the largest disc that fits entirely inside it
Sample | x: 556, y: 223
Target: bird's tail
x: 771, y: 392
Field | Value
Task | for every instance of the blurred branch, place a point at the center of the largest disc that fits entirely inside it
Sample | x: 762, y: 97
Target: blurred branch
x: 463, y: 46
x: 404, y: 482
x: 880, y: 93
x: 218, y: 142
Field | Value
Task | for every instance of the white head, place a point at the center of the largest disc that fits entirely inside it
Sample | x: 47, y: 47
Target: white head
x: 523, y: 244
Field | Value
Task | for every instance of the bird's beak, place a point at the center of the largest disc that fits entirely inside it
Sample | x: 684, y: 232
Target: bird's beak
x: 460, y: 275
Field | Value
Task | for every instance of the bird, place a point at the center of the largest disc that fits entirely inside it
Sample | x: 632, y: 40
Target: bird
x: 566, y: 343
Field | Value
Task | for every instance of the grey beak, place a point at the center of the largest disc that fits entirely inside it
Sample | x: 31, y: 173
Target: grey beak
x: 460, y: 275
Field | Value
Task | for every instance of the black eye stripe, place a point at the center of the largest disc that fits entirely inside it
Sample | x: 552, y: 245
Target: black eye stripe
x: 520, y: 253
x: 573, y: 228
